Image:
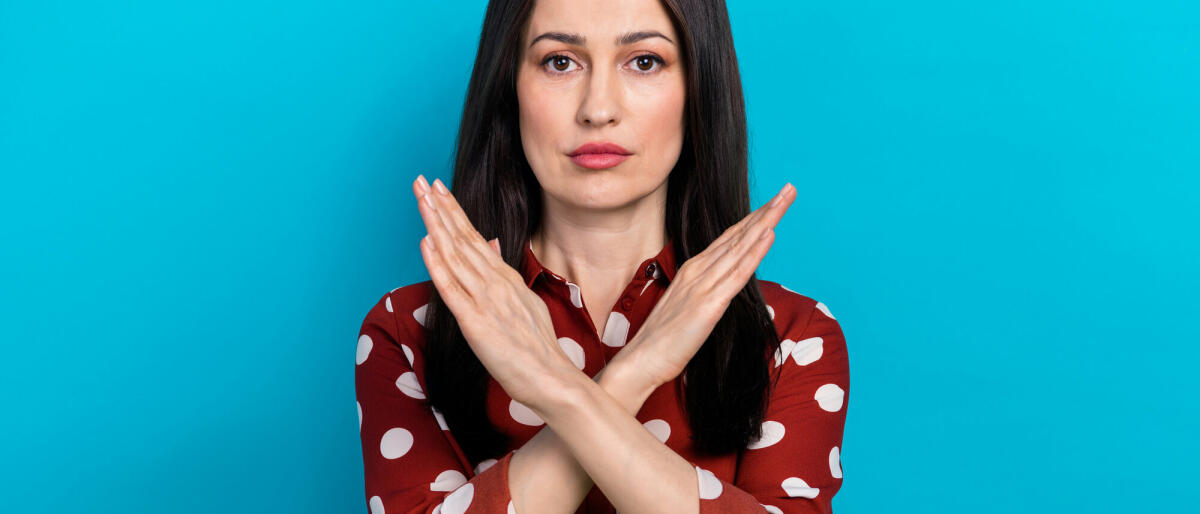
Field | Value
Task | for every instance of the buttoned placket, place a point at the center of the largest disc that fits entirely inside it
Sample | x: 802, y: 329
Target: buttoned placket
x: 619, y: 316
x: 565, y: 290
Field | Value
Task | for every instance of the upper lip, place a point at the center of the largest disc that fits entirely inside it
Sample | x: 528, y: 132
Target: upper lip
x: 601, y: 147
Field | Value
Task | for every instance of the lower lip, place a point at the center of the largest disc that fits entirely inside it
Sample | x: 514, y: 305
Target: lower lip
x: 599, y: 161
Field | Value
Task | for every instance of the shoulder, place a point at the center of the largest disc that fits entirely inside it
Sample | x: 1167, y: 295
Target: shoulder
x: 787, y: 307
x: 796, y: 315
x: 410, y: 302
x: 808, y: 331
x: 402, y: 310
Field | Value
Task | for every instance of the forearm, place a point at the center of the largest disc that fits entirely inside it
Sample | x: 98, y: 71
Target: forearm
x: 636, y: 471
x: 544, y: 476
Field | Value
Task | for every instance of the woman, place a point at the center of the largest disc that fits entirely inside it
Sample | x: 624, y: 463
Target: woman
x: 600, y: 141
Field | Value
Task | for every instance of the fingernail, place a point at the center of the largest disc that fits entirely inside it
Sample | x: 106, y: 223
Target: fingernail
x: 437, y: 184
x: 779, y: 197
x: 429, y: 201
x: 424, y: 183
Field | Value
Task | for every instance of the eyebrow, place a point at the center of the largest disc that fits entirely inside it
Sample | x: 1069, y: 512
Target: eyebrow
x: 627, y: 38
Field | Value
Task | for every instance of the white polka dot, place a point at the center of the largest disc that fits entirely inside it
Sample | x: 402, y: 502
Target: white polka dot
x: 823, y: 308
x: 364, y: 349
x: 785, y: 288
x: 660, y: 428
x: 458, y: 501
x: 573, y: 351
x: 616, y: 329
x: 407, y: 383
x: 808, y: 351
x: 376, y: 505
x: 524, y: 415
x: 395, y: 443
x: 796, y: 487
x: 437, y: 509
x: 419, y: 314
x: 771, y: 311
x: 388, y: 303
x: 785, y: 349
x: 511, y: 509
x: 829, y: 397
x: 441, y: 421
x: 772, y: 432
x: 835, y: 462
x: 359, y: 405
x: 710, y: 485
x: 576, y: 299
x: 771, y: 508
x: 448, y: 480
x: 484, y: 465
x: 408, y: 354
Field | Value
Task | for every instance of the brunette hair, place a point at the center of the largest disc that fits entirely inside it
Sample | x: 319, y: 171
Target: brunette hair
x: 727, y: 382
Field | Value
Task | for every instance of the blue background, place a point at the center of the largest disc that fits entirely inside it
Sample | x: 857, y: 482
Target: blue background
x: 997, y: 200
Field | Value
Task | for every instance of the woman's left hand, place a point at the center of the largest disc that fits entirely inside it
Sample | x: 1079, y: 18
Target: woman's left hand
x: 505, y: 323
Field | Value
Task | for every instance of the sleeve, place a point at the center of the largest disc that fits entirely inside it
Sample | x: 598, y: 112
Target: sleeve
x: 795, y: 467
x: 411, y: 463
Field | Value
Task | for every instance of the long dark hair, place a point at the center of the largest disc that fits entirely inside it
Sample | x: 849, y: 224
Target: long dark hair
x: 727, y: 380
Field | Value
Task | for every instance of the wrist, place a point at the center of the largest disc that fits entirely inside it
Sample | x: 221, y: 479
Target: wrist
x: 625, y: 384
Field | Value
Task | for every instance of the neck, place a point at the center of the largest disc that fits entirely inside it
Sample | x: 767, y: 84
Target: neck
x: 600, y: 247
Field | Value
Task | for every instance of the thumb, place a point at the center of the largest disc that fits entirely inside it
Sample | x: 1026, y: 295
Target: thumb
x: 495, y: 242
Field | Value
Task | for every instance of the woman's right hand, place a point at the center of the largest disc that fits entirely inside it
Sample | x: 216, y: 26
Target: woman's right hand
x: 699, y: 294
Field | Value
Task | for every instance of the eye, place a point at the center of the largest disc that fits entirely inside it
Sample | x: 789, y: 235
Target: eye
x: 647, y: 60
x: 559, y: 62
x: 644, y: 64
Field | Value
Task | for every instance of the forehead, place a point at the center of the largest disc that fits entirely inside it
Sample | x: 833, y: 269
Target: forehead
x: 599, y: 21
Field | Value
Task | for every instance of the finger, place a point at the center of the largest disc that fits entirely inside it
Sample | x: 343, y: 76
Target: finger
x: 749, y: 220
x: 770, y: 217
x: 454, y: 216
x: 741, y: 245
x: 730, y: 275
x: 447, y: 248
x: 447, y: 285
x: 474, y: 248
x: 750, y: 226
x: 745, y: 268
x: 420, y: 186
x: 496, y: 245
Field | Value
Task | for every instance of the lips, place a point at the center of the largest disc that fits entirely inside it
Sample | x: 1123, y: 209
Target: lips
x: 599, y: 155
x: 602, y: 147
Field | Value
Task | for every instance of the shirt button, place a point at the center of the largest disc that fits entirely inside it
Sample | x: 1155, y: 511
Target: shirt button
x: 626, y: 303
x: 650, y: 270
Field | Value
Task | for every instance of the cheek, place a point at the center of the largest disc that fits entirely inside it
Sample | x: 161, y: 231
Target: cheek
x: 661, y: 125
x: 540, y: 121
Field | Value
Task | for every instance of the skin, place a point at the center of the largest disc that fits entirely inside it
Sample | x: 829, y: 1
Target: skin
x: 598, y: 226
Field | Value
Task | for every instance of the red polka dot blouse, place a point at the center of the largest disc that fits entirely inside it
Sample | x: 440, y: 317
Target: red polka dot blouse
x: 412, y: 462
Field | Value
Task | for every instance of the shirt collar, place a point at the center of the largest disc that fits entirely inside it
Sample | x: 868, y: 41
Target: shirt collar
x: 663, y: 264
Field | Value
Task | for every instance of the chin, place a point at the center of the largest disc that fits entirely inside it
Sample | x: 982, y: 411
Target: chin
x: 596, y: 196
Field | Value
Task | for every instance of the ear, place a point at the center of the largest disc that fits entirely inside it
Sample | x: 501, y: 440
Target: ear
x: 495, y: 245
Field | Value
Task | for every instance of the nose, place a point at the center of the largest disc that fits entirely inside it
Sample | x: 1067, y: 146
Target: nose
x: 601, y: 100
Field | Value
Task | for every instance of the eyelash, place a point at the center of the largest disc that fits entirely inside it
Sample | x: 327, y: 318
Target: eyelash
x: 656, y: 59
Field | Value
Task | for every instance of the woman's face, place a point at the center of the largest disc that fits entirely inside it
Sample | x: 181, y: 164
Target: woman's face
x: 594, y: 88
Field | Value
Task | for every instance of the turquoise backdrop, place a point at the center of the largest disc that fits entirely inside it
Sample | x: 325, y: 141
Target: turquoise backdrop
x: 201, y: 200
